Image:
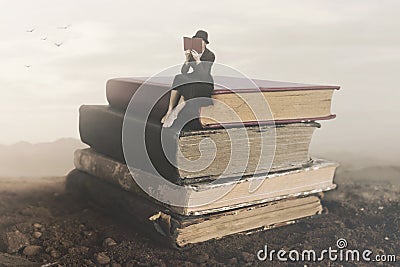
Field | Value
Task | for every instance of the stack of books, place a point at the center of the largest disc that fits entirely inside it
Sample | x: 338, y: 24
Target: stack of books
x: 289, y: 185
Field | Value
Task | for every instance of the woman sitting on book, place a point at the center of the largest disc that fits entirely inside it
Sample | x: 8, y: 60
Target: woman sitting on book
x: 198, y: 83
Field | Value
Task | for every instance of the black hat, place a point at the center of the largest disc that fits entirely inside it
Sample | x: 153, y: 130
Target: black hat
x: 201, y: 34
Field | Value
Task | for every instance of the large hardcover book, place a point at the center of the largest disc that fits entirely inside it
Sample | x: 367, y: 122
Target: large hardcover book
x: 182, y: 231
x: 287, y: 101
x: 230, y: 193
x: 266, y: 148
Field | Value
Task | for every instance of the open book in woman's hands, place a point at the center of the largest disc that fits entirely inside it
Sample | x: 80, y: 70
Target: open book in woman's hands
x: 192, y: 44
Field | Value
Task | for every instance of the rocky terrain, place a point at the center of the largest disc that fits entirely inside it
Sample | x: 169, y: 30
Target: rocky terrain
x: 42, y: 225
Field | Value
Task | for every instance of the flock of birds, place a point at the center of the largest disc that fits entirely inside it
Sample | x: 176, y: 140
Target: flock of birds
x: 45, y: 38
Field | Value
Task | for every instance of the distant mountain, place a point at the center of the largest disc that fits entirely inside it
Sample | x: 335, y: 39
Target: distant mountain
x: 24, y: 159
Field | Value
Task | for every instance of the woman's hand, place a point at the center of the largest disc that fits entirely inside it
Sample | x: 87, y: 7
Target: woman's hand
x: 187, y: 55
x: 196, y: 56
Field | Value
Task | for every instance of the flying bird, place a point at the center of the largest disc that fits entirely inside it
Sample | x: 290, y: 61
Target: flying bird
x: 31, y: 30
x: 44, y: 38
x: 65, y: 27
x: 58, y: 44
x: 28, y: 66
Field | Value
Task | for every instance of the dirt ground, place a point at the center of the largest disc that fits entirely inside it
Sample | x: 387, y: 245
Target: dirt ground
x: 41, y: 225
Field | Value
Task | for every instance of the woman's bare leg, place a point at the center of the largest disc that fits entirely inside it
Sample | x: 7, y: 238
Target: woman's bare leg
x: 173, y: 102
x: 174, y: 99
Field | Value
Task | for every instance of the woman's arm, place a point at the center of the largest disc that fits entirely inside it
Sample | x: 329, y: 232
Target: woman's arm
x: 186, y: 66
x: 203, y: 68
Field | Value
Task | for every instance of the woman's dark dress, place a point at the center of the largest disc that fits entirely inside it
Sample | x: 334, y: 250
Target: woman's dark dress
x: 198, y: 83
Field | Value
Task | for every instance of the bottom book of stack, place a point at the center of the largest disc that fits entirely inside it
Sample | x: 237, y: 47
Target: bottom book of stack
x: 180, y: 226
x: 179, y: 230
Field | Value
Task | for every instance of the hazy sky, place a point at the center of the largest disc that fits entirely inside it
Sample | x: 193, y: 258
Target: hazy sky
x: 355, y: 44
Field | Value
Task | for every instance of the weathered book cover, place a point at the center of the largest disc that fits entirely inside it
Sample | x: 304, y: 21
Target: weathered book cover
x: 119, y: 92
x: 316, y: 178
x: 182, y: 231
x: 101, y: 128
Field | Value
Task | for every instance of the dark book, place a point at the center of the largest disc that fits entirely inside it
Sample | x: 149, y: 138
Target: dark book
x: 288, y: 102
x: 101, y: 128
x: 182, y: 231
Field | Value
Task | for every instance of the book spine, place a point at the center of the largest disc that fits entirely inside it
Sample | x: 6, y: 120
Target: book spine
x: 108, y: 170
x: 88, y: 161
x: 100, y: 127
x: 119, y: 94
x: 139, y: 212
